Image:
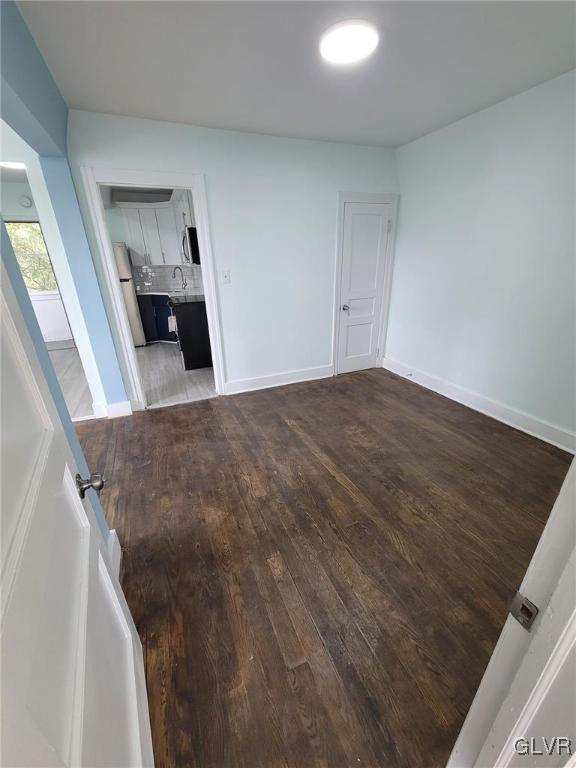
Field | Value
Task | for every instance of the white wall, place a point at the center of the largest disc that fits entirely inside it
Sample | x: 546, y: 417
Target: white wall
x: 11, y: 207
x: 51, y: 316
x: 483, y: 293
x: 272, y: 204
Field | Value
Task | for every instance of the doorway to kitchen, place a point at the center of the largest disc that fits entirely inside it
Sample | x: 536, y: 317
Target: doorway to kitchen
x: 160, y: 279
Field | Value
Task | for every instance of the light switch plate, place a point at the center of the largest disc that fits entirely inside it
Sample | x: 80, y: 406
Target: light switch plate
x: 226, y: 277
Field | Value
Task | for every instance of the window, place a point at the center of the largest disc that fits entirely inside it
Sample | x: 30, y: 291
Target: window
x: 30, y: 249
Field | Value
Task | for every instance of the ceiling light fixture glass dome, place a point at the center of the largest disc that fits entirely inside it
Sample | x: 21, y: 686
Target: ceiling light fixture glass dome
x: 349, y: 42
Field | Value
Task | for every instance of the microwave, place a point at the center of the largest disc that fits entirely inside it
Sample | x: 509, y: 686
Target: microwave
x: 190, y: 245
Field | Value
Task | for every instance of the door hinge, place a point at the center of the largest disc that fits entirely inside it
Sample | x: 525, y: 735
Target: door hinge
x: 523, y: 610
x: 389, y: 225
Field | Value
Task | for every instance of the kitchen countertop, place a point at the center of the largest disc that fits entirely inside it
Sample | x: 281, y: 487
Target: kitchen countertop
x: 177, y: 297
x: 186, y: 298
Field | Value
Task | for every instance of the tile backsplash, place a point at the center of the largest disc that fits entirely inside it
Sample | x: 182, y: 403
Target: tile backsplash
x: 159, y: 278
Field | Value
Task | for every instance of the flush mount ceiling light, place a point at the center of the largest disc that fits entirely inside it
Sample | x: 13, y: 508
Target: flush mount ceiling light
x: 13, y: 166
x: 348, y: 42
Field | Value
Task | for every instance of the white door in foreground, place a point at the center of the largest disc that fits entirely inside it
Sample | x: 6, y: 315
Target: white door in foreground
x: 524, y: 713
x: 366, y: 230
x: 73, y: 690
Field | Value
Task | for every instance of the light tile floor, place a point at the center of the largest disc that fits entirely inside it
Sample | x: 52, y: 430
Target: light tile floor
x: 72, y: 380
x: 164, y: 379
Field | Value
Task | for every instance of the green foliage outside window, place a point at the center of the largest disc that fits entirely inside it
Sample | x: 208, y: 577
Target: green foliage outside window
x: 30, y: 249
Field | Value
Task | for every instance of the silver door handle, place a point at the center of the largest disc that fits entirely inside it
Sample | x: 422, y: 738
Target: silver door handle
x: 95, y: 481
x: 345, y: 307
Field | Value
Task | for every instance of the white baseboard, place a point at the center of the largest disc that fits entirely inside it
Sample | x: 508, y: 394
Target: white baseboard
x: 115, y: 551
x: 532, y: 425
x: 62, y: 344
x: 79, y: 419
x: 112, y: 410
x: 277, y: 379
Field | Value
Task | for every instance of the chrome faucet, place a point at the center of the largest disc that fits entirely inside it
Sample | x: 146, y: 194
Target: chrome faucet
x: 184, y: 283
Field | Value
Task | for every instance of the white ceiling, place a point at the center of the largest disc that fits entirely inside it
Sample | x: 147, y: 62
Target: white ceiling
x: 255, y: 66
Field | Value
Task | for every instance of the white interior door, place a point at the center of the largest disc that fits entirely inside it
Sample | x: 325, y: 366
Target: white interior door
x: 73, y: 690
x: 524, y: 713
x: 169, y: 240
x: 366, y: 229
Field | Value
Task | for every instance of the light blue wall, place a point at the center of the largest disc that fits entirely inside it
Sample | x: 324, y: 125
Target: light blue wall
x: 484, y: 286
x: 33, y: 107
x: 63, y: 196
x: 273, y: 206
x: 30, y: 98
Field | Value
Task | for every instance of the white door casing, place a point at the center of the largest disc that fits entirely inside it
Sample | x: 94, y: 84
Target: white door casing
x: 365, y: 237
x: 104, y: 257
x: 73, y: 690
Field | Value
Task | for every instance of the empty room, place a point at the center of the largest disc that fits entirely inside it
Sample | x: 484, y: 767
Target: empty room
x: 288, y: 400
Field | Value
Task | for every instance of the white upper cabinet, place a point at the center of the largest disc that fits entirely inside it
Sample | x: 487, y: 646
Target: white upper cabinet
x: 135, y: 236
x: 169, y: 241
x: 155, y: 233
x: 184, y: 217
x: 151, y: 236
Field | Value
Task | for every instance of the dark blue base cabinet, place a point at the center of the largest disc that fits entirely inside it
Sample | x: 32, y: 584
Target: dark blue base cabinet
x: 155, y: 311
x: 193, y: 334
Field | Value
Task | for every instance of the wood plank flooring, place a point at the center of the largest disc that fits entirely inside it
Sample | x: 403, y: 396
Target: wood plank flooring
x: 164, y: 379
x: 319, y: 572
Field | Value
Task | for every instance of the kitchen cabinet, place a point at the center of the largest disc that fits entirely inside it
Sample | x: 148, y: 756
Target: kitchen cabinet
x: 135, y: 236
x: 193, y: 335
x: 169, y: 240
x: 154, y: 232
x: 183, y: 209
x: 183, y: 217
x: 146, y: 307
x: 155, y: 309
x: 162, y: 311
x: 151, y: 236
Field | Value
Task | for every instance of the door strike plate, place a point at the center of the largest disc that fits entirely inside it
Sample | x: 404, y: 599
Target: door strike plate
x: 523, y: 610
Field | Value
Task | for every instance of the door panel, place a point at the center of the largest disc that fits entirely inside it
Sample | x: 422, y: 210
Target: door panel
x: 65, y: 628
x: 109, y: 700
x: 42, y: 629
x: 358, y: 340
x: 364, y: 253
x: 27, y: 440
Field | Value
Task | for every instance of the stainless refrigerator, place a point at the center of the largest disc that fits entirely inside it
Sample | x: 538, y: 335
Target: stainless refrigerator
x: 129, y: 294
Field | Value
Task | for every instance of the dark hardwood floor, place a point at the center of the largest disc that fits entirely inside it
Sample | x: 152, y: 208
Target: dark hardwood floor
x: 319, y: 572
